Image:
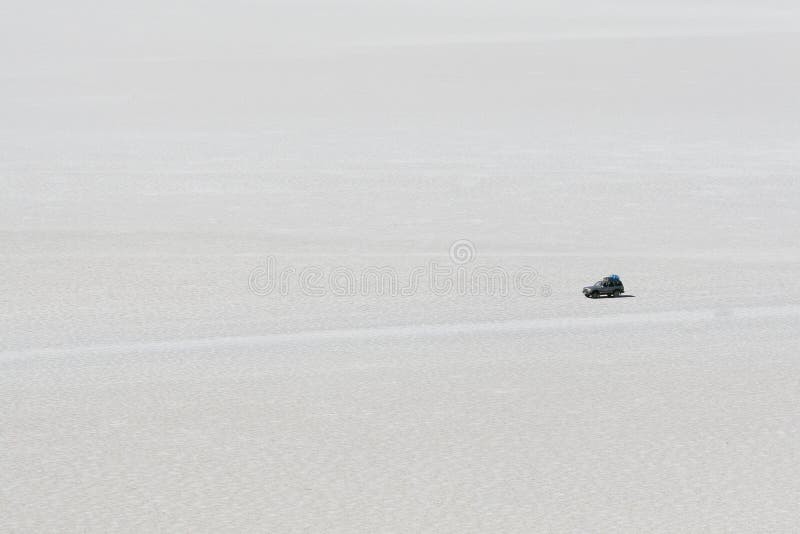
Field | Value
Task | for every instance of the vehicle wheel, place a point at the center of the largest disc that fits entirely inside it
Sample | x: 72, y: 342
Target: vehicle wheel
x: 616, y: 293
x: 594, y: 294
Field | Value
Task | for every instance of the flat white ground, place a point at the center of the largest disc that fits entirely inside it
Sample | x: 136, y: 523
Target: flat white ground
x: 152, y: 157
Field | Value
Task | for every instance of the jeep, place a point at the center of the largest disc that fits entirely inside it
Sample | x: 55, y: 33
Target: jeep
x: 610, y: 286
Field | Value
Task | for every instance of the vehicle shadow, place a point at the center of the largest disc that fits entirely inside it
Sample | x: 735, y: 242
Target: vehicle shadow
x: 624, y: 297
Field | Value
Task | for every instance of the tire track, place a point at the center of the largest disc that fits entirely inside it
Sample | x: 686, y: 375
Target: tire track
x: 414, y: 331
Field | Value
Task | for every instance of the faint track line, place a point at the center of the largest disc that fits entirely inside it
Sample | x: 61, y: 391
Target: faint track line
x: 414, y: 331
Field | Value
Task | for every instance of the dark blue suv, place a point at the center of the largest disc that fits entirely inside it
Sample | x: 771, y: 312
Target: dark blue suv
x: 610, y: 286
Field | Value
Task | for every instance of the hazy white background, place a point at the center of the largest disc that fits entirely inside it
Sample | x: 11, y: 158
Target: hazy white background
x: 152, y: 154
